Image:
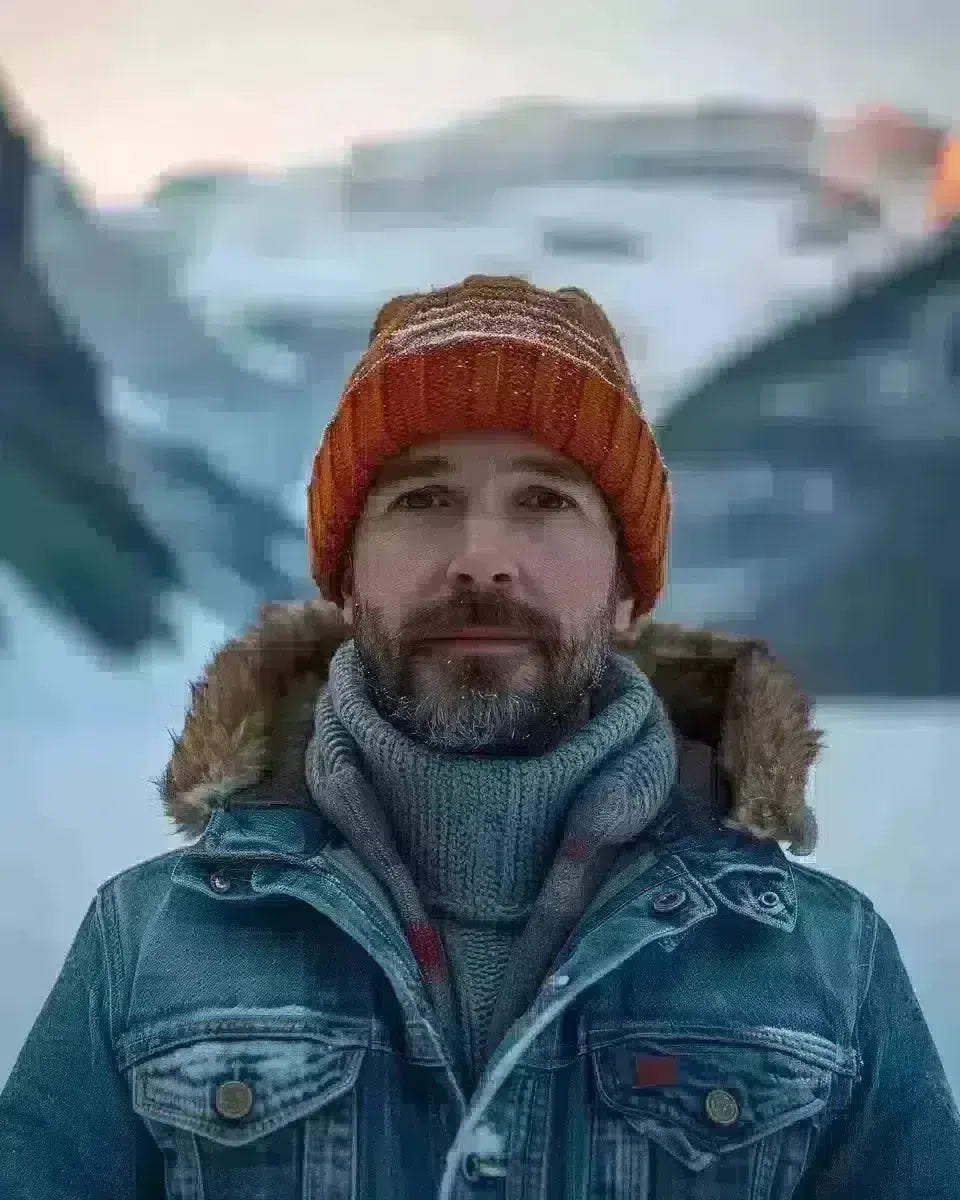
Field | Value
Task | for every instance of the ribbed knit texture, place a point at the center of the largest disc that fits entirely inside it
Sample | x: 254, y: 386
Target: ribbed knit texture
x: 494, y: 353
x: 490, y: 860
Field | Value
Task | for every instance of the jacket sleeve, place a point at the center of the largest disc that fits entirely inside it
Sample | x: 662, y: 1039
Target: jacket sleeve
x: 899, y: 1138
x: 67, y: 1128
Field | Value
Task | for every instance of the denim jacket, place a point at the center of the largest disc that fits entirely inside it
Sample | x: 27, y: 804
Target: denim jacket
x: 243, y: 1019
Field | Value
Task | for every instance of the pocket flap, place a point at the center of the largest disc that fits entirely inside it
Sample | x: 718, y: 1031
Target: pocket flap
x: 699, y: 1098
x: 236, y: 1090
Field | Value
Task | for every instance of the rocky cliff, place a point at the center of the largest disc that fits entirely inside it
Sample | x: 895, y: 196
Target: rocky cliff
x: 68, y: 527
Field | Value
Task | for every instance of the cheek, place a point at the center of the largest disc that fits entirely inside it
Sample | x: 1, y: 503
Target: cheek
x: 580, y: 573
x: 387, y: 571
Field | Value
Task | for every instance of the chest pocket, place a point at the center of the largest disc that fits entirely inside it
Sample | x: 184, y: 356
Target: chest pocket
x: 253, y: 1117
x: 703, y: 1119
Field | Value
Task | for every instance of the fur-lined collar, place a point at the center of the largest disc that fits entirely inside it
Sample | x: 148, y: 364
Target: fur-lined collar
x: 724, y: 693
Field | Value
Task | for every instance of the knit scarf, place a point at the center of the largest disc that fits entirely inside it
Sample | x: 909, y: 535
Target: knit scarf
x: 521, y: 843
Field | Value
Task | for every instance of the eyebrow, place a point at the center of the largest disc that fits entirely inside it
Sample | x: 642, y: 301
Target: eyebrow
x: 428, y: 467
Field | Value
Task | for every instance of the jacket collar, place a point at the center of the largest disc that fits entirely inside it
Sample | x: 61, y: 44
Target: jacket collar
x: 693, y: 870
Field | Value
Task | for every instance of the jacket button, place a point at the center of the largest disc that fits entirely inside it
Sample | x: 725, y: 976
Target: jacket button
x: 233, y: 1100
x: 722, y: 1108
x: 668, y: 901
x: 477, y: 1167
x: 769, y: 899
x: 219, y: 882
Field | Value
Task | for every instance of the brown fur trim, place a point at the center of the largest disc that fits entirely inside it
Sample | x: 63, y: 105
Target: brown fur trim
x: 724, y: 692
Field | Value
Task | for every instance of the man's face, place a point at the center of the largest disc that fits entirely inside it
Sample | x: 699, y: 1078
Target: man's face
x: 480, y: 532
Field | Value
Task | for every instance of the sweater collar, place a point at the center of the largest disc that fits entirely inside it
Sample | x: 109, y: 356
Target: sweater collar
x: 479, y: 833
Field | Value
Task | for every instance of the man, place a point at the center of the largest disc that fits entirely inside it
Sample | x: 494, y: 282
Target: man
x: 486, y: 897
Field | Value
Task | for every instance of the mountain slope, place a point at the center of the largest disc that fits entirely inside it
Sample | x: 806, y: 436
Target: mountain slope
x: 852, y: 418
x: 67, y: 525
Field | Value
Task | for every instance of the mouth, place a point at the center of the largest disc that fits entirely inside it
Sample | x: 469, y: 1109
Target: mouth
x: 480, y: 639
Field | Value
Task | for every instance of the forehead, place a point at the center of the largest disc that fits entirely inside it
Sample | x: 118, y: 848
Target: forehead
x: 480, y: 454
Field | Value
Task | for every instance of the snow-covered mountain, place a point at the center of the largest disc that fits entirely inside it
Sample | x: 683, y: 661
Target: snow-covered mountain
x: 108, y: 509
x: 818, y: 474
x: 117, y: 286
x: 228, y: 308
x: 69, y: 528
x: 700, y: 231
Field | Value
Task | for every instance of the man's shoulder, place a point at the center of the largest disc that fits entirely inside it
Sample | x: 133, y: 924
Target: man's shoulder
x: 837, y: 915
x: 140, y: 887
x: 829, y: 890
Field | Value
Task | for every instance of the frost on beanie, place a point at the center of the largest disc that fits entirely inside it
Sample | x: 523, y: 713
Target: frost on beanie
x: 493, y: 353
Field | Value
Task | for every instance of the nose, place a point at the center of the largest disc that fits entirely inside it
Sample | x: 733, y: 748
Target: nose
x: 485, y: 560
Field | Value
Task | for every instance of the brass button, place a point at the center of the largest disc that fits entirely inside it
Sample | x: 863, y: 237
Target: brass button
x: 233, y: 1100
x: 722, y: 1108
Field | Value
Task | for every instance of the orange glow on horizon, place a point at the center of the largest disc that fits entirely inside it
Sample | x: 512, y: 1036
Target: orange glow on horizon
x: 945, y: 194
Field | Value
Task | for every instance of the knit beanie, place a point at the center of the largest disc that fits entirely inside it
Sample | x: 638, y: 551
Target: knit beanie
x: 493, y: 353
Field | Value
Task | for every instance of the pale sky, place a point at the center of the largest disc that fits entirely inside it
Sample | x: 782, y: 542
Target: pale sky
x: 126, y: 90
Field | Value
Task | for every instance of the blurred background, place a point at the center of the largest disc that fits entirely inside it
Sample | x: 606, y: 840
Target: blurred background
x: 203, y: 206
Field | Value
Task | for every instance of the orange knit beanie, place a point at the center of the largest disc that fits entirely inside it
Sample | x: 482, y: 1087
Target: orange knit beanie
x: 493, y: 353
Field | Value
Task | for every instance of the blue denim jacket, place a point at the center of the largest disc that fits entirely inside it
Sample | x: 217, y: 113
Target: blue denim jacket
x: 242, y: 1019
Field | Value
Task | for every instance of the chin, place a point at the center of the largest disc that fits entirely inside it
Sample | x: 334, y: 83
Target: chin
x: 477, y: 673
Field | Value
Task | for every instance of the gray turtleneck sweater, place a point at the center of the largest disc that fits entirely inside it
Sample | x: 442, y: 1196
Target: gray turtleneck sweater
x: 478, y: 835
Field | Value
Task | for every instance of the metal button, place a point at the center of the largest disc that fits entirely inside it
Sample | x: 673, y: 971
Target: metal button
x: 219, y: 882
x: 769, y: 899
x: 483, y: 1166
x: 668, y: 901
x: 722, y: 1108
x: 233, y: 1100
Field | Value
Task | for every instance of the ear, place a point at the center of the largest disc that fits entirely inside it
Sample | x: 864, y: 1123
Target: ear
x: 623, y: 614
x: 623, y: 610
x: 346, y: 590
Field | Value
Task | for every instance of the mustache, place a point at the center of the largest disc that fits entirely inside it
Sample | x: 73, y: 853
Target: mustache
x: 447, y: 618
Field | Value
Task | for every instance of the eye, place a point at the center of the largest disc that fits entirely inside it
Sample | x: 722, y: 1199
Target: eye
x: 549, y: 495
x: 545, y: 499
x: 422, y: 494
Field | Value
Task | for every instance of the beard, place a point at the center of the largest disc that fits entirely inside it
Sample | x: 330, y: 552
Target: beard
x: 521, y: 703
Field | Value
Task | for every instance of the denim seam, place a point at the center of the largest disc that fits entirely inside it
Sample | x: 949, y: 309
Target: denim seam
x: 112, y: 958
x: 870, y: 963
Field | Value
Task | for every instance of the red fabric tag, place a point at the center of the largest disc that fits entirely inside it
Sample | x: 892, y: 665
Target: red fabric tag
x: 427, y: 948
x: 577, y: 849
x: 655, y: 1071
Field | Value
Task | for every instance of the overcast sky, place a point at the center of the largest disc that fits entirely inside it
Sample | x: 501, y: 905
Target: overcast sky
x: 126, y: 90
